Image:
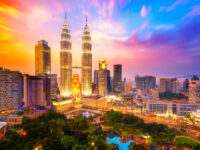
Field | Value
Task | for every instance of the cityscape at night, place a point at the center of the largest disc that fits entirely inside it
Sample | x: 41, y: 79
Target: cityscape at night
x: 99, y: 75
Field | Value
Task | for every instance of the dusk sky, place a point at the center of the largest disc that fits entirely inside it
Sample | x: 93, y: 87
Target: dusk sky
x: 148, y: 37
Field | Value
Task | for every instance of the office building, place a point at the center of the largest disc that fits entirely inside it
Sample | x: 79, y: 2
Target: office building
x: 86, y: 68
x: 186, y: 85
x: 145, y: 83
x: 169, y: 85
x: 42, y: 58
x: 36, y: 91
x: 117, y: 79
x: 174, y: 85
x: 194, y: 90
x: 103, y: 77
x: 108, y: 82
x: 65, y: 61
x: 96, y: 78
x: 11, y: 89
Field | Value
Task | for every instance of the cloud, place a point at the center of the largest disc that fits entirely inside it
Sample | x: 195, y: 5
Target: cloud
x: 172, y: 49
x: 163, y: 27
x: 195, y: 11
x: 111, y: 7
x: 143, y: 11
x: 144, y: 26
x: 177, y: 3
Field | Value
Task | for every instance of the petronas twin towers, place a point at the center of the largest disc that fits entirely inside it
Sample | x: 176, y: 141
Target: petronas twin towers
x: 66, y: 62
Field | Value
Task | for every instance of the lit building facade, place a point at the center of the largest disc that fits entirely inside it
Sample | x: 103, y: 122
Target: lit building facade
x: 94, y: 102
x: 194, y: 90
x: 180, y: 108
x: 103, y: 90
x: 86, y: 68
x: 117, y: 79
x: 65, y: 61
x: 11, y: 89
x: 36, y: 91
x: 42, y: 58
x: 76, y: 88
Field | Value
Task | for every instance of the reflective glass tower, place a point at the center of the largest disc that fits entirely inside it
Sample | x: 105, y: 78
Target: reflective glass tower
x: 65, y: 61
x: 86, y: 62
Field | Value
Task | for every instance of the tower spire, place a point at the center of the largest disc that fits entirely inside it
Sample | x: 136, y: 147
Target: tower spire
x: 86, y: 19
x: 65, y: 18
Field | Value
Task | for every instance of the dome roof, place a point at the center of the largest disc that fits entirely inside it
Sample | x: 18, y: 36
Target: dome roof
x: 195, y: 77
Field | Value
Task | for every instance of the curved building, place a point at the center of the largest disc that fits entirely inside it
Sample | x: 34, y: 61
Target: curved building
x: 86, y: 62
x: 65, y: 61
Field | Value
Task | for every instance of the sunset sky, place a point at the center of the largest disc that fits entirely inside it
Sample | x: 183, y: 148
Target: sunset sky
x: 148, y: 37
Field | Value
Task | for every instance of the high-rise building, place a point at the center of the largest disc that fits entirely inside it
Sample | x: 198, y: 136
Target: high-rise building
x: 42, y: 58
x: 145, y: 82
x: 96, y: 78
x: 117, y: 79
x: 53, y: 86
x: 174, y: 85
x: 11, y: 89
x: 103, y: 77
x: 86, y: 68
x: 165, y: 85
x: 35, y: 91
x: 169, y: 85
x: 194, y: 90
x: 65, y: 61
x: 109, y: 88
x: 186, y: 85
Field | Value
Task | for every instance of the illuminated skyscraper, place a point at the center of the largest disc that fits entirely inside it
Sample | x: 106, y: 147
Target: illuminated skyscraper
x: 42, y: 58
x: 86, y: 62
x: 65, y: 61
x: 117, y: 79
x: 103, y: 77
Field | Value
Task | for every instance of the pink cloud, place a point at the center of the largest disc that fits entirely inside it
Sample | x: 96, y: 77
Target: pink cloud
x: 143, y: 11
x: 144, y: 26
x: 111, y: 7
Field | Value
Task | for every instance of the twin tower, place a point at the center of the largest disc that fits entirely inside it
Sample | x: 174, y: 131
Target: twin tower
x: 66, y: 62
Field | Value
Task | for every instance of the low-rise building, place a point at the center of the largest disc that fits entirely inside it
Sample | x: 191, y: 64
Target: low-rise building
x: 179, y: 107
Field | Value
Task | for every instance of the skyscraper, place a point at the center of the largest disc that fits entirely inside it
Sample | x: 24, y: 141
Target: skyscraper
x: 165, y: 85
x: 103, y: 77
x: 174, y: 85
x: 108, y: 81
x: 65, y: 61
x: 169, y: 85
x: 11, y: 88
x: 86, y: 62
x: 117, y: 79
x: 145, y: 83
x: 186, y: 85
x: 194, y: 90
x: 42, y: 58
x: 96, y: 78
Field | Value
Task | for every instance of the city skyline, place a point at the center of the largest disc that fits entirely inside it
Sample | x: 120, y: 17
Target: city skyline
x: 160, y: 39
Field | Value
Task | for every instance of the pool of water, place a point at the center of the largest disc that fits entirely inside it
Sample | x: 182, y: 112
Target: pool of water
x: 115, y: 140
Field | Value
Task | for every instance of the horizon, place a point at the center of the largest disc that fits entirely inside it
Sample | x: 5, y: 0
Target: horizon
x: 151, y: 38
